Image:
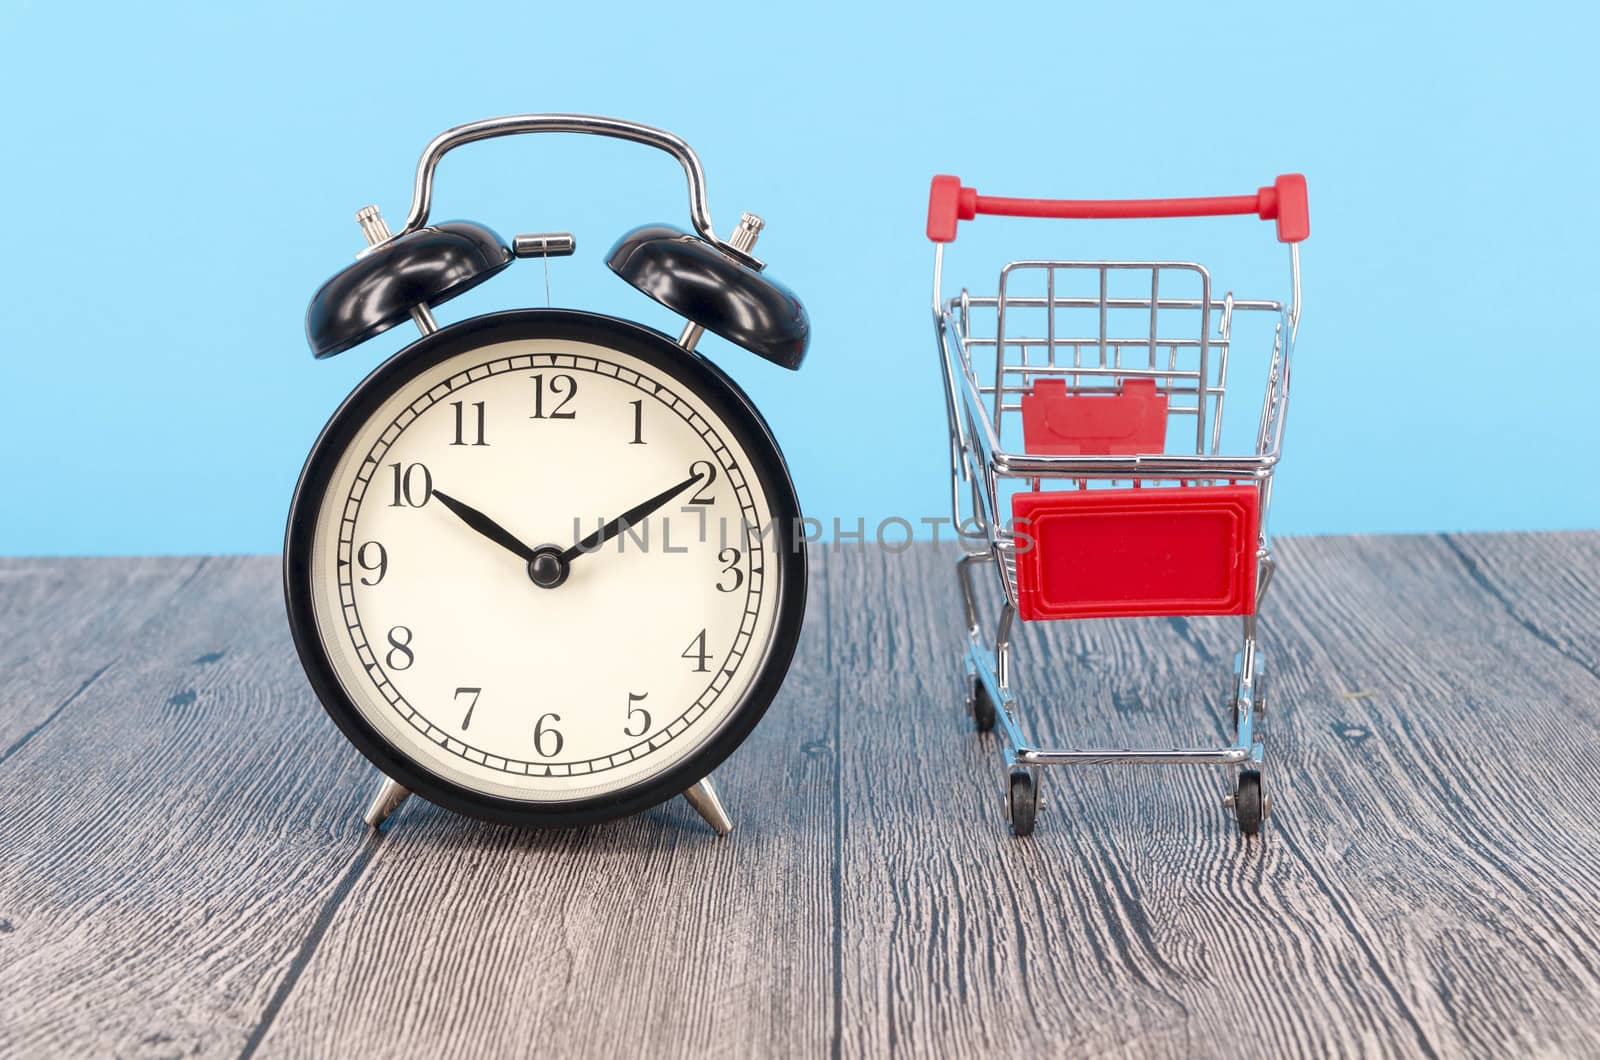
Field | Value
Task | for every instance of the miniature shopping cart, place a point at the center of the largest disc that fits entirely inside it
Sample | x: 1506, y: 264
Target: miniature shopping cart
x: 1090, y: 457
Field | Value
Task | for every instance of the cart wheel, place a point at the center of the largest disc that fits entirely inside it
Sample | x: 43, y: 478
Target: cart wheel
x: 982, y: 706
x: 1023, y: 801
x: 1247, y: 801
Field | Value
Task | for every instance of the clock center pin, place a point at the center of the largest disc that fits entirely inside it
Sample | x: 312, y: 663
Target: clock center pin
x: 547, y: 569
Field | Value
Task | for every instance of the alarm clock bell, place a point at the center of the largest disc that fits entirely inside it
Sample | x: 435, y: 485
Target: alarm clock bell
x: 726, y: 297
x: 417, y: 271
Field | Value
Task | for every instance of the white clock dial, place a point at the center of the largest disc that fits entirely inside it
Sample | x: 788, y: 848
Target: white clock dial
x: 443, y: 638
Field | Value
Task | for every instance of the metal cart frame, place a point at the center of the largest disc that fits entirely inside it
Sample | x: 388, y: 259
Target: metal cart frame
x: 1190, y: 372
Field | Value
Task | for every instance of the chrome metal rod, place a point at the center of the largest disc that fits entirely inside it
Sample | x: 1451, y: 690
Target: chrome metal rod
x: 989, y: 301
x: 585, y: 124
x: 1029, y: 465
x: 1086, y: 756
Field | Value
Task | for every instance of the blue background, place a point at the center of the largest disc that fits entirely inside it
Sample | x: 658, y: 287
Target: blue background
x: 178, y: 180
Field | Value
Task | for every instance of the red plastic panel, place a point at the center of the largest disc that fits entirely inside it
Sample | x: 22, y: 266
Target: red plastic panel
x: 1058, y: 421
x: 1160, y: 551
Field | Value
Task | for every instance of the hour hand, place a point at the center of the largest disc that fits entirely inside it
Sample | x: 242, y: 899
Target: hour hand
x: 485, y: 526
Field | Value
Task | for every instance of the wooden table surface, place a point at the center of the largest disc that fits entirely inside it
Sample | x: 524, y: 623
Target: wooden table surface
x: 184, y: 872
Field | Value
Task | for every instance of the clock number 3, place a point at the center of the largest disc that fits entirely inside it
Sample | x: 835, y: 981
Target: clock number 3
x: 730, y: 556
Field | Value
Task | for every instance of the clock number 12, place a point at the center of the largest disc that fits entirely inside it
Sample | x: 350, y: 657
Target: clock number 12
x: 564, y: 387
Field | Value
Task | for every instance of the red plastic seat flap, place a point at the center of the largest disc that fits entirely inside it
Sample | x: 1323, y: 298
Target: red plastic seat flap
x: 1059, y: 421
x: 1179, y: 550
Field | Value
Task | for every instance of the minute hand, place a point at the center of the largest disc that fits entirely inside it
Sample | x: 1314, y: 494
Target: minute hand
x: 628, y: 518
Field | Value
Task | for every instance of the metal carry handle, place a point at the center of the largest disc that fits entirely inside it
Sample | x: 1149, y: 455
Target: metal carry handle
x: 1283, y: 201
x: 588, y: 124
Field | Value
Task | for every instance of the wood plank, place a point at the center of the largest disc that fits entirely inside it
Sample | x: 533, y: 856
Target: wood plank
x: 1453, y: 771
x: 1545, y: 581
x: 643, y: 937
x: 167, y: 842
x: 182, y: 868
x: 1413, y: 902
x: 67, y: 621
x: 1134, y: 920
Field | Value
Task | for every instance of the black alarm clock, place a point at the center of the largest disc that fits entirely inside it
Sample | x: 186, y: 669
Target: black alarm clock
x: 544, y: 566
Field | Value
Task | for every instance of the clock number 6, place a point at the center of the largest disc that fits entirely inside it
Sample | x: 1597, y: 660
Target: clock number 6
x: 644, y: 724
x: 551, y: 738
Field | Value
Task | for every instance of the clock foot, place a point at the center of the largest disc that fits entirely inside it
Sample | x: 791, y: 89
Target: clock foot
x: 703, y: 797
x: 388, y: 800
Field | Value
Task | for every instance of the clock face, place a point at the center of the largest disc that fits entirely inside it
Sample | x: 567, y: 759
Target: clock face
x: 545, y: 566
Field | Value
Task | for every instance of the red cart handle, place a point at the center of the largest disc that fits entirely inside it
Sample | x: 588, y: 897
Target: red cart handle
x: 1284, y: 201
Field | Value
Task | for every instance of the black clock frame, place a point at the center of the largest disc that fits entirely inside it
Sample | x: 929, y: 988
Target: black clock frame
x: 694, y: 372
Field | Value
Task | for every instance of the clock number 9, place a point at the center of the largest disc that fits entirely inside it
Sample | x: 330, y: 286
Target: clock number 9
x: 410, y: 487
x: 548, y: 738
x: 380, y: 565
x: 400, y: 656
